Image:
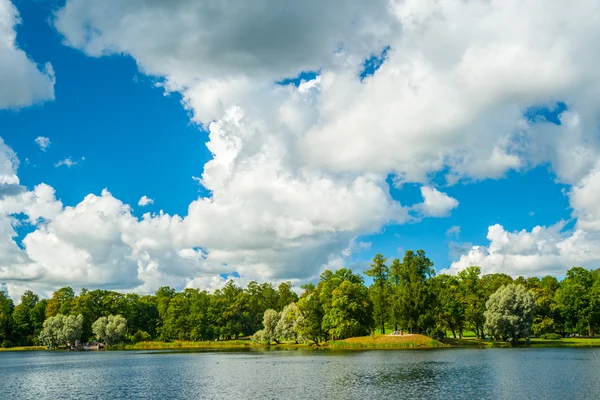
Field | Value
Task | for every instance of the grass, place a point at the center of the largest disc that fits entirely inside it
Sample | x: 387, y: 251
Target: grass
x: 23, y: 348
x: 377, y: 341
x: 534, y: 342
x: 387, y: 342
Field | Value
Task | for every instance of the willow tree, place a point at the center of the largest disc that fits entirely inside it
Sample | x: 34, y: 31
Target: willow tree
x: 509, y: 314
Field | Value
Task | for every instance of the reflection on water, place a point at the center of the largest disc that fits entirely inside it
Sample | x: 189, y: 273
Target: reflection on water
x: 319, y: 374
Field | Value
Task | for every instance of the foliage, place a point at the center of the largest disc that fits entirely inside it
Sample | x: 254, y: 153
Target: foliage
x: 270, y: 321
x: 509, y: 314
x: 111, y: 329
x: 61, y: 330
x: 287, y: 326
x: 550, y: 336
x: 379, y: 290
x: 405, y: 295
x: 414, y: 295
x: 141, y: 336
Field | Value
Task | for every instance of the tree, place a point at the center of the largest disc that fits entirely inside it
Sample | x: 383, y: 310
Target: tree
x: 579, y: 300
x: 287, y: 325
x: 350, y: 312
x: 6, y: 311
x: 60, y: 303
x: 414, y: 296
x: 379, y: 290
x: 270, y: 320
x: 61, y: 330
x: 111, y: 329
x: 309, y: 325
x: 450, y: 306
x: 285, y: 295
x: 473, y: 298
x: 509, y: 313
x: 23, y: 322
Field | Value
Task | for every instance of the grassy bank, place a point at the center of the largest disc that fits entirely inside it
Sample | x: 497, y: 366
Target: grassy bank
x: 23, y: 348
x: 387, y: 342
x: 534, y: 342
x: 377, y: 341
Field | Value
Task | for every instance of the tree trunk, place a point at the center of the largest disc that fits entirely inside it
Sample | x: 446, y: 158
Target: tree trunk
x: 383, y: 328
x: 453, y: 333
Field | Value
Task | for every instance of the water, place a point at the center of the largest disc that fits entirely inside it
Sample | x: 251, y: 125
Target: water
x: 303, y: 374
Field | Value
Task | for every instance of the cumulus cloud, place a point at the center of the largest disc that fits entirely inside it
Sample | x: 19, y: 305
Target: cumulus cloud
x: 436, y: 203
x: 299, y: 172
x: 43, y: 142
x: 144, y: 201
x: 541, y: 251
x: 23, y: 82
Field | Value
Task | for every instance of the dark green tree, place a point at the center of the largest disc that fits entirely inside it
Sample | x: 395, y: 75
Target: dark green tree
x: 379, y: 291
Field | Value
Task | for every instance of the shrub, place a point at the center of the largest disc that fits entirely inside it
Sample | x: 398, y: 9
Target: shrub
x: 550, y: 336
x: 6, y: 344
x: 436, y: 333
x: 259, y: 337
x: 140, y: 336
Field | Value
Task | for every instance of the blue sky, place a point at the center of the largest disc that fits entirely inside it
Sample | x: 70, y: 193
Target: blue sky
x: 113, y: 118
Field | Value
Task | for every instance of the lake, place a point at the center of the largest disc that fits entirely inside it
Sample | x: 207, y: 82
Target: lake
x: 562, y: 373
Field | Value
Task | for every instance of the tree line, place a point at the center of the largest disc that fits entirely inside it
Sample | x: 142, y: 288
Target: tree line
x: 404, y: 294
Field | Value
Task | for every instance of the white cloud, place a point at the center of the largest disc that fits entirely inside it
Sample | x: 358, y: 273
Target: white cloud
x: 144, y: 201
x: 436, y: 203
x: 541, y: 251
x: 43, y: 142
x: 23, y: 82
x: 298, y: 173
x: 67, y: 162
x: 454, y: 230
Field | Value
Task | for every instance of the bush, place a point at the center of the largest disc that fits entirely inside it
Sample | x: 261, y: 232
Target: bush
x: 436, y: 333
x: 6, y: 344
x: 259, y: 337
x: 550, y: 336
x: 140, y: 336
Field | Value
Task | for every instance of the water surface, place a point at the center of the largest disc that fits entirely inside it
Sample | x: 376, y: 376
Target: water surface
x: 302, y: 374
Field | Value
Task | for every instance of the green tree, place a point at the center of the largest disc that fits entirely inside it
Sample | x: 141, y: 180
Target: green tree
x: 270, y: 320
x: 60, y: 303
x: 450, y: 304
x: 509, y: 313
x: 379, y: 290
x: 547, y: 317
x: 350, y: 311
x: 111, y: 329
x: 6, y: 311
x: 473, y: 297
x: 61, y: 330
x: 23, y: 323
x: 579, y: 300
x: 414, y: 295
x: 286, y: 328
x: 309, y: 326
x: 395, y: 278
x: 285, y: 295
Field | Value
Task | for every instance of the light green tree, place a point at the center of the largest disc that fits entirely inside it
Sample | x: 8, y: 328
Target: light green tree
x: 61, y: 330
x: 509, y: 314
x: 111, y: 329
x: 270, y: 320
x: 287, y: 326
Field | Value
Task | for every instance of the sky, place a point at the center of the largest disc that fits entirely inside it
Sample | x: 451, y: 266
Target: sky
x: 185, y: 143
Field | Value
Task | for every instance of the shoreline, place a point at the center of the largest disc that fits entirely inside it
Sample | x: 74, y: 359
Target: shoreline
x: 375, y: 342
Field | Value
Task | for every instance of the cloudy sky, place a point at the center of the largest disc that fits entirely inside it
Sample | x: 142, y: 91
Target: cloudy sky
x: 149, y: 143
